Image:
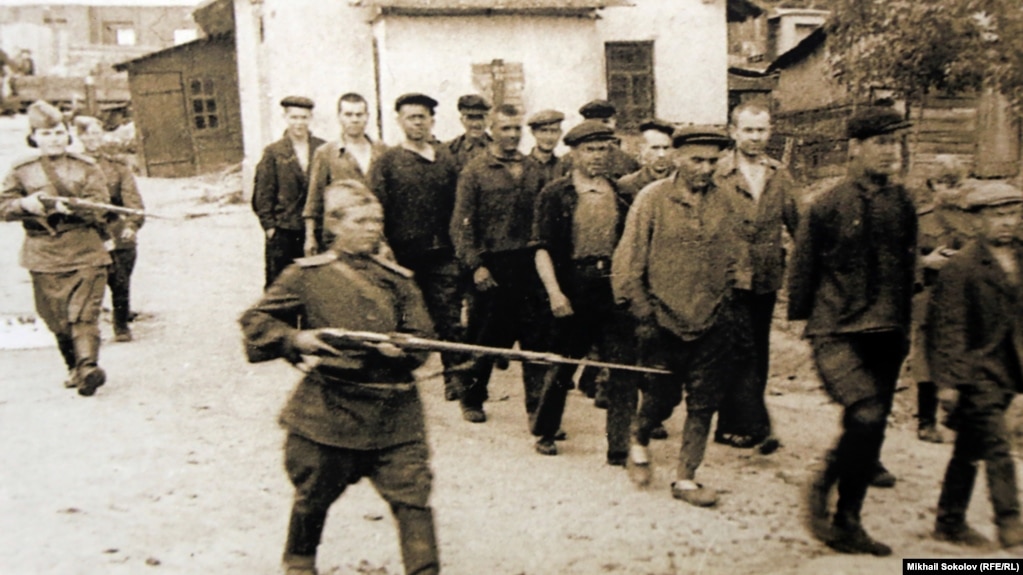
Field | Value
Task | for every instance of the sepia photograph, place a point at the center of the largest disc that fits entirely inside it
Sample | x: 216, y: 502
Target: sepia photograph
x: 510, y: 287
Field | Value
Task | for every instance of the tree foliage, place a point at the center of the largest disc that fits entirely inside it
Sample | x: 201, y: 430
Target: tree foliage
x: 920, y: 47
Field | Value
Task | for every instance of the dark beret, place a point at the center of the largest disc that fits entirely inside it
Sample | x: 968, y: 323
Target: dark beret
x: 588, y: 131
x: 297, y: 102
x: 981, y: 194
x: 473, y: 103
x: 544, y: 117
x: 700, y: 135
x: 874, y: 121
x: 658, y: 125
x: 415, y: 99
x: 597, y: 109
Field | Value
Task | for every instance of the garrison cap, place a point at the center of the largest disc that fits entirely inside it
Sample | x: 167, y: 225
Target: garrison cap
x: 990, y: 193
x: 415, y: 99
x: 589, y: 131
x: 707, y: 135
x: 875, y: 121
x: 544, y: 117
x: 43, y: 116
x: 597, y: 110
x: 473, y: 103
x: 297, y: 102
x: 341, y: 195
x: 658, y: 125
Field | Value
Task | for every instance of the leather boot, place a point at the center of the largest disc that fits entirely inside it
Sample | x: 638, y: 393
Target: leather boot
x: 956, y: 490
x: 67, y: 351
x: 818, y: 493
x: 1001, y: 481
x: 848, y: 536
x: 88, y: 373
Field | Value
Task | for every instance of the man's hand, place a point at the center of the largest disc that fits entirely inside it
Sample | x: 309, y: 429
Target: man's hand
x: 270, y: 233
x: 937, y: 258
x: 128, y: 233
x: 33, y: 204
x: 483, y: 280
x: 560, y: 306
x: 308, y: 342
x: 310, y: 248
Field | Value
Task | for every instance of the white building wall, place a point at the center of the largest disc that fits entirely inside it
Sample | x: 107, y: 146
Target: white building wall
x: 690, y: 54
x: 562, y: 64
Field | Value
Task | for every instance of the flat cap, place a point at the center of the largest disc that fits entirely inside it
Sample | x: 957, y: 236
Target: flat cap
x: 43, y: 116
x: 473, y: 103
x: 658, y: 125
x: 981, y: 194
x: 875, y: 121
x: 700, y: 135
x: 544, y: 117
x: 597, y: 109
x: 297, y: 102
x: 588, y: 131
x: 416, y: 99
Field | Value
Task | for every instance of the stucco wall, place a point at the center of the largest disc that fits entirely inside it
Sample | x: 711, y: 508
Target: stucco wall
x: 690, y: 54
x: 807, y: 85
x: 562, y: 68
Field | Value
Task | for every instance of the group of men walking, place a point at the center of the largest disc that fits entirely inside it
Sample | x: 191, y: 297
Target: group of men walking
x: 672, y: 262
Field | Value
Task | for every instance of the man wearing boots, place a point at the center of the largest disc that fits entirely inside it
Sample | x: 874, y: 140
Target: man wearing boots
x: 976, y: 342
x: 852, y: 277
x: 63, y: 248
x: 357, y: 412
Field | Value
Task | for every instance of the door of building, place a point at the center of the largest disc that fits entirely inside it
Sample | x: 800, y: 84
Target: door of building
x: 163, y: 125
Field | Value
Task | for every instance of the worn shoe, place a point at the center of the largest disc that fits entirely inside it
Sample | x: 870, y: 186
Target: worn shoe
x: 638, y: 465
x: 818, y: 516
x: 769, y: 445
x: 297, y: 570
x: 72, y: 380
x: 122, y: 335
x: 451, y: 394
x: 617, y: 458
x: 560, y: 435
x: 659, y: 433
x: 854, y: 540
x: 735, y: 440
x: 474, y: 414
x: 882, y: 477
x: 961, y: 534
x: 694, y: 493
x: 91, y: 381
x: 546, y: 446
x: 1010, y: 534
x: 930, y: 434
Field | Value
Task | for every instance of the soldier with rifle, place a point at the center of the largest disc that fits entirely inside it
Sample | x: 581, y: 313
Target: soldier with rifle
x: 63, y: 248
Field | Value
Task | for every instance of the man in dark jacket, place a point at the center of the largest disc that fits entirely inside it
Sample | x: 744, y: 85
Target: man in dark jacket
x: 976, y: 341
x: 852, y: 277
x: 357, y: 412
x: 281, y: 183
x: 491, y: 228
x: 472, y: 109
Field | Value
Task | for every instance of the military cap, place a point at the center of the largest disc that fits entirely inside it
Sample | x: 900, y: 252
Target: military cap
x: 473, y: 103
x: 43, y: 116
x: 874, y: 121
x: 544, y: 117
x: 416, y: 99
x: 297, y: 102
x: 597, y: 110
x: 658, y: 125
x: 708, y: 135
x: 982, y: 194
x: 588, y: 131
x: 341, y: 195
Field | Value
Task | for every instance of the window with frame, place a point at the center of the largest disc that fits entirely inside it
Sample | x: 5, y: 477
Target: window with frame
x: 630, y: 81
x: 205, y: 112
x: 119, y: 33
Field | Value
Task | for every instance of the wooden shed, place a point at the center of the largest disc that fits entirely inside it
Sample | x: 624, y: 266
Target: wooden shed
x: 186, y: 107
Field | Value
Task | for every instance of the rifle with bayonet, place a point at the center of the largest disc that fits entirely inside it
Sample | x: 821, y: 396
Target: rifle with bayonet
x: 70, y: 203
x: 344, y: 339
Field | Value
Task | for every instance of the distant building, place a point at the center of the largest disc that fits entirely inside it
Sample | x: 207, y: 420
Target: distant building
x: 80, y: 38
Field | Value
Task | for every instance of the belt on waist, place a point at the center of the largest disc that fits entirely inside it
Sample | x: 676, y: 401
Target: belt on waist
x: 598, y: 262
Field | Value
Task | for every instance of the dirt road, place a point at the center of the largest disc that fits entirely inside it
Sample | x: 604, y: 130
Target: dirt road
x: 175, y: 466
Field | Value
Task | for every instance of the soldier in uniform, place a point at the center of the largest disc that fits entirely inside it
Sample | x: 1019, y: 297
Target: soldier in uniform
x: 655, y: 156
x: 674, y: 269
x: 545, y: 126
x: 350, y: 157
x: 415, y: 182
x: 63, y: 248
x: 281, y: 184
x: 577, y: 223
x: 944, y: 230
x: 976, y: 341
x: 473, y: 109
x: 357, y: 412
x: 491, y: 229
x: 851, y: 278
x: 766, y: 194
x: 121, y: 229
